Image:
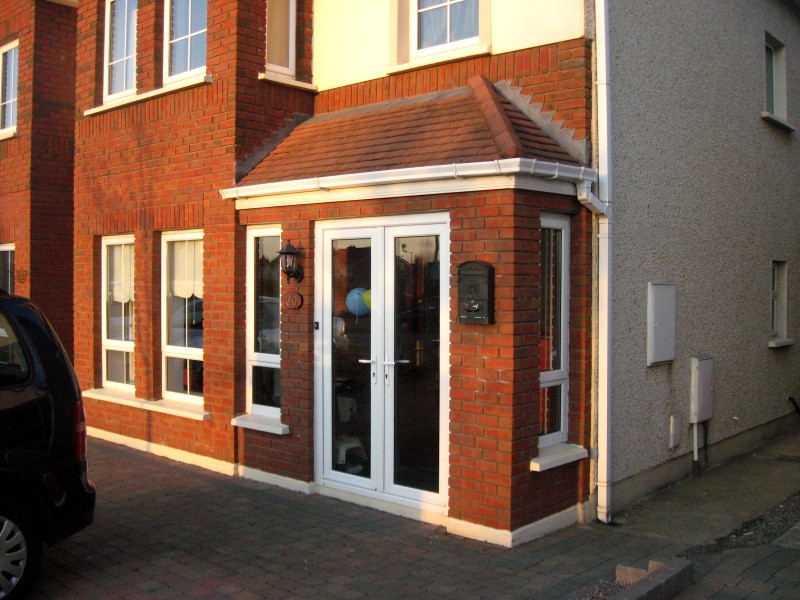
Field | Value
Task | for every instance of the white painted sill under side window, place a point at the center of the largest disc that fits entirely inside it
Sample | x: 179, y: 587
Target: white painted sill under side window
x: 777, y: 121
x: 167, y: 407
x: 181, y: 84
x: 779, y: 342
x: 556, y: 456
x: 6, y: 134
x: 261, y: 423
x: 286, y: 80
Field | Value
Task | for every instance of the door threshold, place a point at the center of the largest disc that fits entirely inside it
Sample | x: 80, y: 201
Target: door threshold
x: 425, y: 512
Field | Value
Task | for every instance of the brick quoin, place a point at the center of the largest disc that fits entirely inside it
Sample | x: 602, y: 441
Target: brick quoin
x: 37, y: 164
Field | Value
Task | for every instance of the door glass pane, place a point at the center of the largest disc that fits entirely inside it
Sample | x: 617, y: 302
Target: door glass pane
x: 416, y: 351
x: 351, y: 342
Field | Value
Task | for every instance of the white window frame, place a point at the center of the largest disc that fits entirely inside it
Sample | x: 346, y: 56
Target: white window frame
x: 9, y: 131
x: 168, y: 77
x: 779, y: 312
x: 421, y: 53
x: 775, y: 112
x: 168, y: 351
x: 107, y: 344
x: 107, y: 56
x: 560, y: 377
x: 291, y: 70
x: 258, y: 359
x: 12, y: 249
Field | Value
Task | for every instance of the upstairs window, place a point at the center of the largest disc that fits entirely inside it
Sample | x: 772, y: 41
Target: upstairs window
x: 9, y: 80
x: 186, y: 37
x: 443, y: 24
x: 120, y: 53
x: 281, y: 26
x: 7, y: 268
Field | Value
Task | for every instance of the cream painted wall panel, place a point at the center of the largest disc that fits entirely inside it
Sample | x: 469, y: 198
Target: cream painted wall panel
x: 352, y: 38
x: 351, y: 41
x: 704, y: 197
x: 518, y: 24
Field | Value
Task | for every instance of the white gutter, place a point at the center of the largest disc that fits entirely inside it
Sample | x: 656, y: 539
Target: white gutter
x: 604, y: 366
x: 517, y: 168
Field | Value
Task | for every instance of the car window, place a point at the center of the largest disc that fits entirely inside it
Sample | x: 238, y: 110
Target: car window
x: 13, y: 365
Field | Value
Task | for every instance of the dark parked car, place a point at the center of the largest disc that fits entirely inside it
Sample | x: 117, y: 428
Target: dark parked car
x: 45, y: 494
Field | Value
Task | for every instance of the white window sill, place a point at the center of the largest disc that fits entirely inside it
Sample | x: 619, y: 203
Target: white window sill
x: 6, y: 134
x: 167, y: 407
x: 287, y: 81
x: 261, y: 423
x: 777, y: 121
x: 174, y: 86
x: 781, y: 342
x: 557, y: 455
x: 440, y: 57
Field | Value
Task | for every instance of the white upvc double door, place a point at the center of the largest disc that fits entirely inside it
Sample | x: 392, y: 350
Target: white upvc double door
x: 381, y: 349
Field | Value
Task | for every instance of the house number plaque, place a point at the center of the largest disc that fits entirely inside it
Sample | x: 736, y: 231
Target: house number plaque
x: 292, y: 300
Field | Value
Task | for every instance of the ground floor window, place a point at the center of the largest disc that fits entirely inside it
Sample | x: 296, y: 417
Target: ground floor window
x: 554, y: 348
x: 263, y: 321
x: 118, y: 320
x: 7, y: 268
x: 182, y: 315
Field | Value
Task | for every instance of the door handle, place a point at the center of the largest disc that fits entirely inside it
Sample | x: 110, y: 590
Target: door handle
x: 399, y: 361
x: 367, y: 361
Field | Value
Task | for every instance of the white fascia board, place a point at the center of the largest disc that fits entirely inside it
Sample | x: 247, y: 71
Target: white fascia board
x: 515, y: 173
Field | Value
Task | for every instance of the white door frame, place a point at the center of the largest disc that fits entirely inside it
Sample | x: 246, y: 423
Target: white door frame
x: 375, y: 487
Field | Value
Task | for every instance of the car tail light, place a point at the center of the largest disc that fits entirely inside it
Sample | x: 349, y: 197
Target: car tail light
x: 80, y: 431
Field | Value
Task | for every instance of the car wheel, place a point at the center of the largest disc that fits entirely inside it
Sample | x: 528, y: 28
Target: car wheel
x: 20, y: 551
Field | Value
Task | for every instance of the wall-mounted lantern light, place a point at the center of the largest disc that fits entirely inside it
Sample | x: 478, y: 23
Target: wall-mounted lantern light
x: 289, y: 264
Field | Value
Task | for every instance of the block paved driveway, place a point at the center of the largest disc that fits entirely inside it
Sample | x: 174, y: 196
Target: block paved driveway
x: 167, y: 530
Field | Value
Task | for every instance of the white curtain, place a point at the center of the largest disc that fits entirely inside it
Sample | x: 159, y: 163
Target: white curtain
x: 120, y: 273
x: 186, y: 269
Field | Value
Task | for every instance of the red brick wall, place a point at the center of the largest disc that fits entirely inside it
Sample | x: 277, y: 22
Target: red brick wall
x: 16, y: 23
x: 494, y: 368
x: 158, y: 165
x: 557, y: 75
x: 36, y: 166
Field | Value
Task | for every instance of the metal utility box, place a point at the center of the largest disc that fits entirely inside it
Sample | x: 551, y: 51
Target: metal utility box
x: 660, y: 323
x: 702, y: 390
x: 475, y: 292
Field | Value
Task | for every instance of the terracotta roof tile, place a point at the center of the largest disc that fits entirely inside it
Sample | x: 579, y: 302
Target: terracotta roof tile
x: 471, y: 124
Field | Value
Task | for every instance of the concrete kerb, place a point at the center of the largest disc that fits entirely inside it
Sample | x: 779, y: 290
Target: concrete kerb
x: 662, y: 580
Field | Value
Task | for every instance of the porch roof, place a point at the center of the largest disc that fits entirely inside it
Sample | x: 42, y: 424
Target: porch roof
x: 474, y: 124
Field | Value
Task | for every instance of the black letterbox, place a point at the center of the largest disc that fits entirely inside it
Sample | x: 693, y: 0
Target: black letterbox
x: 475, y: 292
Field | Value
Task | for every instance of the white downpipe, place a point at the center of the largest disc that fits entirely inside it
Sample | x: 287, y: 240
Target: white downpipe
x: 604, y: 264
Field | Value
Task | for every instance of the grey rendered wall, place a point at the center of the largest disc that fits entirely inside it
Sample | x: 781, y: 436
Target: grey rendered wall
x: 705, y: 195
